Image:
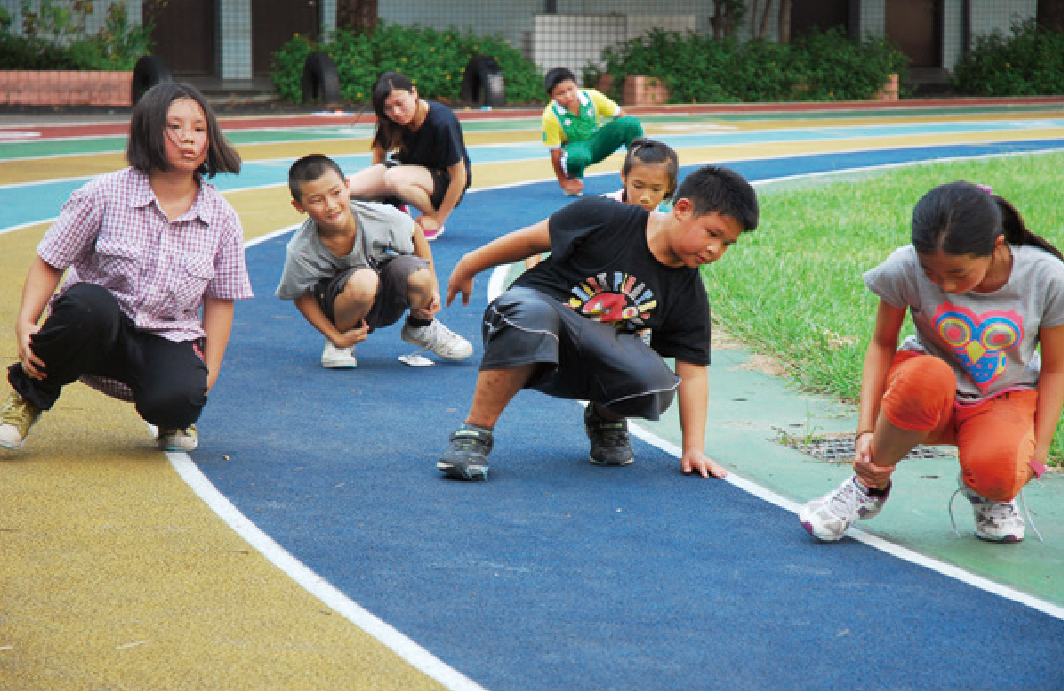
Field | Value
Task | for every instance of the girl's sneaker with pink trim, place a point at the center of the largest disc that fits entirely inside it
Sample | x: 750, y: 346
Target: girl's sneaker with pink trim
x: 829, y: 517
x: 431, y: 235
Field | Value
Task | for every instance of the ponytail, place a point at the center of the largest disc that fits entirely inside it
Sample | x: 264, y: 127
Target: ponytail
x: 1016, y: 231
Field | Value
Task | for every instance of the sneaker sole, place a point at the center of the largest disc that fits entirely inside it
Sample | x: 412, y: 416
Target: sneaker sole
x: 1004, y: 540
x: 453, y: 358
x: 467, y: 473
x: 339, y: 365
x: 610, y: 464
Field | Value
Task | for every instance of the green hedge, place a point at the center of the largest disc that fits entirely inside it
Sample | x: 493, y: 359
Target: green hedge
x: 434, y: 61
x: 1030, y: 62
x: 697, y: 69
x: 117, y: 46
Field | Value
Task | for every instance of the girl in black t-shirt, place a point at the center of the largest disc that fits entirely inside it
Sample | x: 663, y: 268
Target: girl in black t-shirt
x: 429, y: 167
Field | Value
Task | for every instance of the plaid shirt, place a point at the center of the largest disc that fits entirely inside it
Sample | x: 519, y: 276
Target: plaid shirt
x: 113, y: 233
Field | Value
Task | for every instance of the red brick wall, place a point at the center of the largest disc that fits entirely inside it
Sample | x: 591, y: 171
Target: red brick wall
x: 65, y: 88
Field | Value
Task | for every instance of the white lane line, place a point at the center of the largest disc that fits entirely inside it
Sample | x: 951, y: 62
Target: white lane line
x: 418, y: 657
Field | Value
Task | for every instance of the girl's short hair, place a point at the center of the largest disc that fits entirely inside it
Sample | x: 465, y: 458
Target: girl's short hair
x: 649, y: 152
x: 388, y: 134
x: 961, y: 218
x: 146, y: 149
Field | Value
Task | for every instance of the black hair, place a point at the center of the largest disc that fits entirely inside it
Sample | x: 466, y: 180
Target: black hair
x: 718, y: 189
x: 961, y: 218
x: 388, y: 134
x: 556, y: 76
x: 308, y: 169
x: 651, y: 151
x: 146, y: 148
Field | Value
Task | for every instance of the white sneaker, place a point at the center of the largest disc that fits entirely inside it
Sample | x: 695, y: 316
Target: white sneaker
x: 179, y: 439
x: 439, y: 339
x: 333, y: 357
x: 829, y: 517
x: 995, y: 521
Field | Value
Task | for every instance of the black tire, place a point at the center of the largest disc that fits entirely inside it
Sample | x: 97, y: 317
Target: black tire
x: 321, y: 82
x: 483, y: 83
x: 149, y: 71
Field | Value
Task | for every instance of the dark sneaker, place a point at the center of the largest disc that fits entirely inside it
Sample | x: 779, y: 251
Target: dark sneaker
x: 610, y: 444
x: 467, y: 456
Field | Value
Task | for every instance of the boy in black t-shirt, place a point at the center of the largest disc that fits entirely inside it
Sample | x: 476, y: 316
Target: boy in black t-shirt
x: 569, y: 327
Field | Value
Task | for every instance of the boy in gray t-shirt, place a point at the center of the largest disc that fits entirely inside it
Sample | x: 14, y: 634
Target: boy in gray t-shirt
x: 356, y: 266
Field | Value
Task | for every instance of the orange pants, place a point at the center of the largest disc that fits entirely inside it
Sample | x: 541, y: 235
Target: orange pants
x: 994, y: 438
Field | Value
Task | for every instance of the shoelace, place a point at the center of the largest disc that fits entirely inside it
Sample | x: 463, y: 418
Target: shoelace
x: 1023, y: 505
x: 15, y: 413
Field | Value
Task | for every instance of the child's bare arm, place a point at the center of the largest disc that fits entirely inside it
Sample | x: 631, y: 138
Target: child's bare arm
x: 693, y: 392
x: 507, y: 249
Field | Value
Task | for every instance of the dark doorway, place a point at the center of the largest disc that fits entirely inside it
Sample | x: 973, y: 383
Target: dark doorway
x: 183, y: 35
x: 819, y: 15
x: 915, y: 26
x: 275, y: 22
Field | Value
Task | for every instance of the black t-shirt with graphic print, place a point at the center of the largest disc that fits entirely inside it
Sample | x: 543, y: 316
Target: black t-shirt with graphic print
x: 601, y: 266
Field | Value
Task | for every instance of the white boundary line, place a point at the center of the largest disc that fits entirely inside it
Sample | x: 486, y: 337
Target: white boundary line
x: 418, y: 657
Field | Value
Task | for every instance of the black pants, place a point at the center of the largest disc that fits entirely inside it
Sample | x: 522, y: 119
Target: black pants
x: 87, y: 333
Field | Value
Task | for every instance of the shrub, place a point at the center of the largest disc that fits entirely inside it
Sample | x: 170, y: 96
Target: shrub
x: 54, y: 39
x: 698, y: 69
x: 434, y: 60
x: 1030, y: 62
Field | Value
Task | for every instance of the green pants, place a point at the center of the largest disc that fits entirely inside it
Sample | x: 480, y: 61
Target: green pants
x: 606, y: 139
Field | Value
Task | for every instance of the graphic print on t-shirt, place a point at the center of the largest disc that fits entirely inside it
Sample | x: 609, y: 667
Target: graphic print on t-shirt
x: 980, y: 340
x: 625, y: 302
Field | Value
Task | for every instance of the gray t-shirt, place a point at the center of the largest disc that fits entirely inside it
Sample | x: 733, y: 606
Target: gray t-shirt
x: 990, y: 339
x: 383, y: 232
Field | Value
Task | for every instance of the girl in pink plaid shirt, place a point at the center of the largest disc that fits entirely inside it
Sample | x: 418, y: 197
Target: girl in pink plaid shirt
x: 156, y: 258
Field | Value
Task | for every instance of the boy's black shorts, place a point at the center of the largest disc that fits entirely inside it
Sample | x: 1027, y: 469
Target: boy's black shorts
x: 579, y: 358
x: 391, y: 301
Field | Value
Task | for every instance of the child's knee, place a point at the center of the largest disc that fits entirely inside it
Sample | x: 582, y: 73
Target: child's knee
x: 997, y: 470
x: 920, y: 394
x: 176, y: 408
x: 361, y: 286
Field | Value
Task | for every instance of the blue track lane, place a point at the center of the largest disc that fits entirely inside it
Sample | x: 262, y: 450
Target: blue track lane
x: 556, y: 574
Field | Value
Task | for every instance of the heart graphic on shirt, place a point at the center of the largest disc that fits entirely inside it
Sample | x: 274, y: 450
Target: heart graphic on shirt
x: 980, y: 341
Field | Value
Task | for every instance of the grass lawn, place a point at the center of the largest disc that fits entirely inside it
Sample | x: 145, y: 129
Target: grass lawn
x: 793, y: 290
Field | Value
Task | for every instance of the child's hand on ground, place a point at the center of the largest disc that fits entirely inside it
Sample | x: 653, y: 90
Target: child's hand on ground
x: 695, y: 461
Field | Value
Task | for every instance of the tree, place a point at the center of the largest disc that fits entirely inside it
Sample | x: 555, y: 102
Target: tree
x: 726, y: 17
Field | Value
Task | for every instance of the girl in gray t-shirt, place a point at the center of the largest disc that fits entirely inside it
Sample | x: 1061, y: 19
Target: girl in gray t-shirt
x: 985, y: 295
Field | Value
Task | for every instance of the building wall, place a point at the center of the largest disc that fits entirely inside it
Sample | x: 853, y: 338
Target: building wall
x: 233, y: 48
